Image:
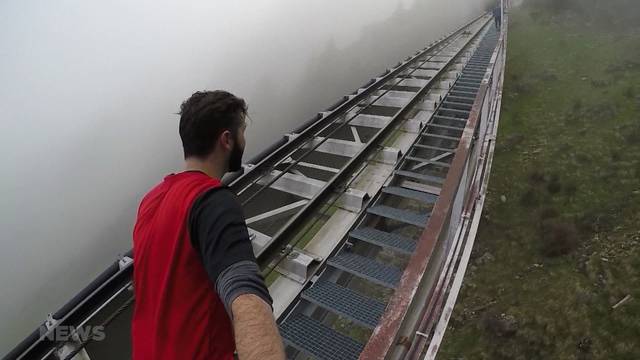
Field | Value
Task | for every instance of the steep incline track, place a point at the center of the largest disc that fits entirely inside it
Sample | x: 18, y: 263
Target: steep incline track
x: 279, y: 192
x: 335, y: 314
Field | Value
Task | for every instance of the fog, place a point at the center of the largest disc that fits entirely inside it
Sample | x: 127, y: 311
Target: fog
x: 88, y: 101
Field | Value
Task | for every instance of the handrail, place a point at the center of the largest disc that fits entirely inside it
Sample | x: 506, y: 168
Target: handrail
x: 442, y: 224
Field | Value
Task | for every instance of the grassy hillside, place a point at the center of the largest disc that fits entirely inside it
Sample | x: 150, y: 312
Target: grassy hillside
x: 559, y: 244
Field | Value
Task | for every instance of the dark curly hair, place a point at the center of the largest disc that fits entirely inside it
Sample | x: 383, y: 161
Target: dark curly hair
x: 204, y: 116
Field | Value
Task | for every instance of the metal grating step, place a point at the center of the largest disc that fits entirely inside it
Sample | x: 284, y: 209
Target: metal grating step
x: 465, y: 88
x: 385, y: 239
x: 444, y: 137
x: 447, y: 110
x: 468, y: 83
x: 428, y: 161
x: 405, y: 216
x: 366, y: 268
x: 418, y: 176
x: 471, y: 76
x: 465, y: 100
x: 410, y: 194
x: 345, y: 302
x: 317, y: 340
x: 474, y: 64
x: 473, y: 80
x: 454, y: 128
x: 466, y: 94
x: 457, y: 105
x: 471, y: 72
x: 435, y: 148
x: 449, y: 118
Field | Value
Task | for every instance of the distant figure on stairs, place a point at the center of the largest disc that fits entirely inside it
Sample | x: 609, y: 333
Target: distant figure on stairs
x: 497, y: 15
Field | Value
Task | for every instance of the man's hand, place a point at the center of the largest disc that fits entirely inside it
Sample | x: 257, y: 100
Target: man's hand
x: 255, y: 329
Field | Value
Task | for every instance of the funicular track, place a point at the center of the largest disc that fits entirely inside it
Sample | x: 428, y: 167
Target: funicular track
x: 279, y: 192
x: 335, y: 314
x: 343, y: 296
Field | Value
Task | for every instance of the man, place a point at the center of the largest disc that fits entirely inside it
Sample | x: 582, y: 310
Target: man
x: 497, y: 15
x: 198, y: 290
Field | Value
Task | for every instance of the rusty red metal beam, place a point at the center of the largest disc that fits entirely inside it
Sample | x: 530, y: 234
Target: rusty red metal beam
x: 383, y: 339
x: 429, y: 316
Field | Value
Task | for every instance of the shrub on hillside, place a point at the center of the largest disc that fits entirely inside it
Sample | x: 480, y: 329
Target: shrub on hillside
x: 559, y: 237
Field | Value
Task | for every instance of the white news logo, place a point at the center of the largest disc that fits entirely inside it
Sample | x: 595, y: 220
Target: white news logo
x: 64, y: 333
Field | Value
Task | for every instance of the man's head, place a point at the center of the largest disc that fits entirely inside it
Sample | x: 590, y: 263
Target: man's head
x: 212, y: 125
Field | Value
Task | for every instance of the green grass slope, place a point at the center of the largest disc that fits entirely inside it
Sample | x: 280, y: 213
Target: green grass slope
x: 559, y: 244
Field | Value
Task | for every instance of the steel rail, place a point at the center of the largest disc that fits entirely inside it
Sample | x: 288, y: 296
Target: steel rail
x: 270, y: 160
x: 277, y: 241
x: 340, y: 127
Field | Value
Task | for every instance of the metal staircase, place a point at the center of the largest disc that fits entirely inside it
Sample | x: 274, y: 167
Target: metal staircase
x: 376, y: 249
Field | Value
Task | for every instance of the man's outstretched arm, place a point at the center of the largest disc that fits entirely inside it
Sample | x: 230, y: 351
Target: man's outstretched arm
x: 255, y: 329
x: 219, y: 234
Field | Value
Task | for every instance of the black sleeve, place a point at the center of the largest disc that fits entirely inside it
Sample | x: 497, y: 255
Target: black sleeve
x: 219, y: 235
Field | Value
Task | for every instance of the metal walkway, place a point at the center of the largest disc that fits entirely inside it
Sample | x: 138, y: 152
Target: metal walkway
x: 279, y: 192
x: 350, y: 288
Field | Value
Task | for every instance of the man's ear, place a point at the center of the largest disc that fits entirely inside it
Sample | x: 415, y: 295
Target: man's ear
x: 226, y: 140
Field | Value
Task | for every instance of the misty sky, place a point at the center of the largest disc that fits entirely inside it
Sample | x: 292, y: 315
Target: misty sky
x: 89, y: 95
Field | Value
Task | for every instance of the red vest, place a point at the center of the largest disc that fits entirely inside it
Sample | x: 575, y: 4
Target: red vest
x: 177, y: 314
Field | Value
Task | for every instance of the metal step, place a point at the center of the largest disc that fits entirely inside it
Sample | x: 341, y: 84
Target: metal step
x: 366, y: 268
x: 410, y: 194
x: 474, y: 65
x: 465, y: 88
x: 455, y: 111
x: 345, y: 302
x: 417, y: 176
x: 429, y: 161
x: 468, y: 83
x: 465, y: 100
x: 471, y: 95
x: 471, y: 76
x: 447, y: 127
x: 454, y: 128
x: 405, y: 216
x: 451, y: 138
x: 317, y: 340
x: 429, y: 147
x: 384, y: 239
x: 475, y: 69
x: 450, y: 118
x: 458, y: 105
